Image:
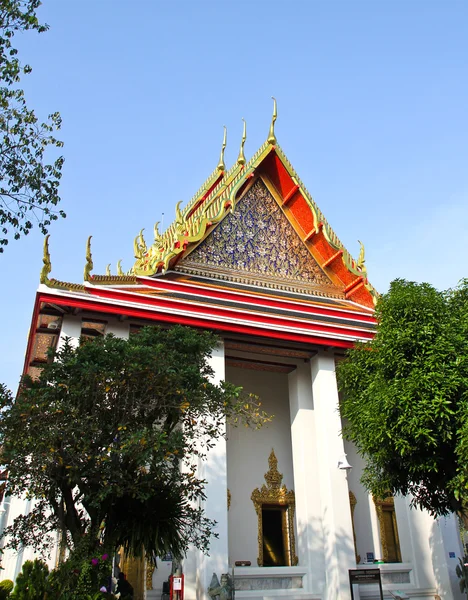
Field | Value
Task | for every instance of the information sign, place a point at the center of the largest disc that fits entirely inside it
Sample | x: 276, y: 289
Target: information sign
x: 177, y: 584
x: 365, y: 576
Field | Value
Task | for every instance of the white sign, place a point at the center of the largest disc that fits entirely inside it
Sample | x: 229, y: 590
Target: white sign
x: 177, y: 584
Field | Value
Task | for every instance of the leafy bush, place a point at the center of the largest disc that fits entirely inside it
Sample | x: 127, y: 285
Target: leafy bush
x: 5, y: 588
x: 82, y: 575
x: 31, y: 583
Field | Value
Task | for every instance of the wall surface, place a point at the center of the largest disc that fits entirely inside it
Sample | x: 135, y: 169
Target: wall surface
x: 248, y: 452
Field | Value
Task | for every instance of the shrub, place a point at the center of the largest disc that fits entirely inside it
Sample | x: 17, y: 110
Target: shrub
x: 5, y: 588
x: 31, y: 583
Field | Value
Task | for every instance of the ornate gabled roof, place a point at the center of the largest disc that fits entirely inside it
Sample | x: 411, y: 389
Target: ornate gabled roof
x: 314, y: 260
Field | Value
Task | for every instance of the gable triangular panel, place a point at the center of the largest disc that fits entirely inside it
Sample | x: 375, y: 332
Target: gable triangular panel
x: 256, y: 244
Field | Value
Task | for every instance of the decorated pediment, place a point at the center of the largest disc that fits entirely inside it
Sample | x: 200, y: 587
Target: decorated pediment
x: 256, y: 244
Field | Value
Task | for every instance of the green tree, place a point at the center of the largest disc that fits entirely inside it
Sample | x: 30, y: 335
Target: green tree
x: 31, y: 583
x: 28, y: 185
x: 108, y: 439
x: 405, y: 397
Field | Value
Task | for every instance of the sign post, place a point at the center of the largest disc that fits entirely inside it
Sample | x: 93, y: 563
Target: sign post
x: 363, y: 577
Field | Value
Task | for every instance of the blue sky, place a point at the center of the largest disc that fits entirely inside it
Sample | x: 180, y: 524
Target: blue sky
x: 372, y: 104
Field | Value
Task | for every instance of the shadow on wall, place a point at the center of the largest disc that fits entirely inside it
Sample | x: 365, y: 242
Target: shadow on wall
x: 444, y: 539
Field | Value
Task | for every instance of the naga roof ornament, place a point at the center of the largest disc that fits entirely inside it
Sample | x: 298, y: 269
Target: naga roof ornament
x: 89, y: 261
x: 271, y: 135
x: 241, y: 158
x: 221, y: 165
x: 47, y: 268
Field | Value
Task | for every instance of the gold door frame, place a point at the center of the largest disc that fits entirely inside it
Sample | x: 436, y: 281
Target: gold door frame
x: 388, y: 504
x: 273, y: 494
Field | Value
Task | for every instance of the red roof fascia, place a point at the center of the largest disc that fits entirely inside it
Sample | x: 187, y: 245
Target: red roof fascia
x: 147, y: 313
x: 226, y: 313
x: 306, y: 307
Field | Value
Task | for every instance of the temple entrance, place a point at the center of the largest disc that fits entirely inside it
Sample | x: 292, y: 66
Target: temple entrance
x: 275, y: 541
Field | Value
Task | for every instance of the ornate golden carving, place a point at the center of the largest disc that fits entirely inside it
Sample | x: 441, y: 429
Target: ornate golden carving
x: 229, y: 498
x: 381, y: 506
x: 108, y: 271
x: 119, y: 268
x: 271, y: 135
x: 149, y: 570
x: 221, y: 165
x: 241, y: 158
x: 352, y: 503
x: 362, y: 257
x: 47, y: 268
x: 274, y: 494
x: 89, y: 261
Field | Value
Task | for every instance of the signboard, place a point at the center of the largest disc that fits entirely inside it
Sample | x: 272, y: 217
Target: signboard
x: 365, y: 576
x: 177, y: 584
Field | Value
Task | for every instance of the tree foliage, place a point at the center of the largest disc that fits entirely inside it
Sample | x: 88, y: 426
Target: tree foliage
x: 405, y: 397
x: 28, y: 185
x: 108, y: 439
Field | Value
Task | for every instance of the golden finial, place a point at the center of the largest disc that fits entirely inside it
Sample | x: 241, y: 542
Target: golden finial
x: 47, y: 268
x: 89, y: 261
x: 108, y: 271
x: 221, y: 166
x: 119, y: 268
x: 241, y: 158
x: 271, y: 136
x: 361, y: 260
x: 139, y: 245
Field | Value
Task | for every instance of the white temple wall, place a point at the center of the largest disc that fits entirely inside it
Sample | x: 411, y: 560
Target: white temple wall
x: 248, y: 453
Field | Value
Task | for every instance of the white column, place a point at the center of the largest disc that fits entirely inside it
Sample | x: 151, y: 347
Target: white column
x: 71, y: 328
x: 333, y: 486
x: 305, y: 465
x: 198, y: 568
x: 120, y: 329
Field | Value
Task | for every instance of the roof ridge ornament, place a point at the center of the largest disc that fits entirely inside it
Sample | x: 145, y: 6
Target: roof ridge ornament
x: 271, y: 135
x: 362, y: 257
x: 241, y: 158
x: 221, y: 165
x: 119, y: 268
x: 47, y: 268
x: 89, y: 261
x: 108, y: 270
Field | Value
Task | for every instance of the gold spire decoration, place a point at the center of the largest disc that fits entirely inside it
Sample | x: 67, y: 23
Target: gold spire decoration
x: 108, y: 271
x: 241, y: 158
x: 361, y: 258
x: 119, y: 268
x: 47, y: 268
x: 89, y: 261
x: 271, y: 135
x: 221, y: 165
x: 180, y: 221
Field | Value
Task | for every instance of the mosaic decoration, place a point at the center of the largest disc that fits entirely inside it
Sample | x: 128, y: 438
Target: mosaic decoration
x: 257, y: 239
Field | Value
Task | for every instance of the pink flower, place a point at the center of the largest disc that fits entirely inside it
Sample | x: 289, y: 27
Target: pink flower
x: 103, y: 589
x: 95, y: 561
x: 104, y: 557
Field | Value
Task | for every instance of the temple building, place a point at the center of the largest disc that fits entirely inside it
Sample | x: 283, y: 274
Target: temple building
x: 253, y: 258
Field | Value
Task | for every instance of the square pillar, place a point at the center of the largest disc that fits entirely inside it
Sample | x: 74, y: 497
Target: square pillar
x: 198, y: 568
x: 305, y: 466
x: 333, y: 488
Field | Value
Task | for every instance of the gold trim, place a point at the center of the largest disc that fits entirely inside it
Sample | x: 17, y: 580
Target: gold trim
x: 387, y: 504
x: 352, y: 504
x: 149, y: 570
x: 273, y: 494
